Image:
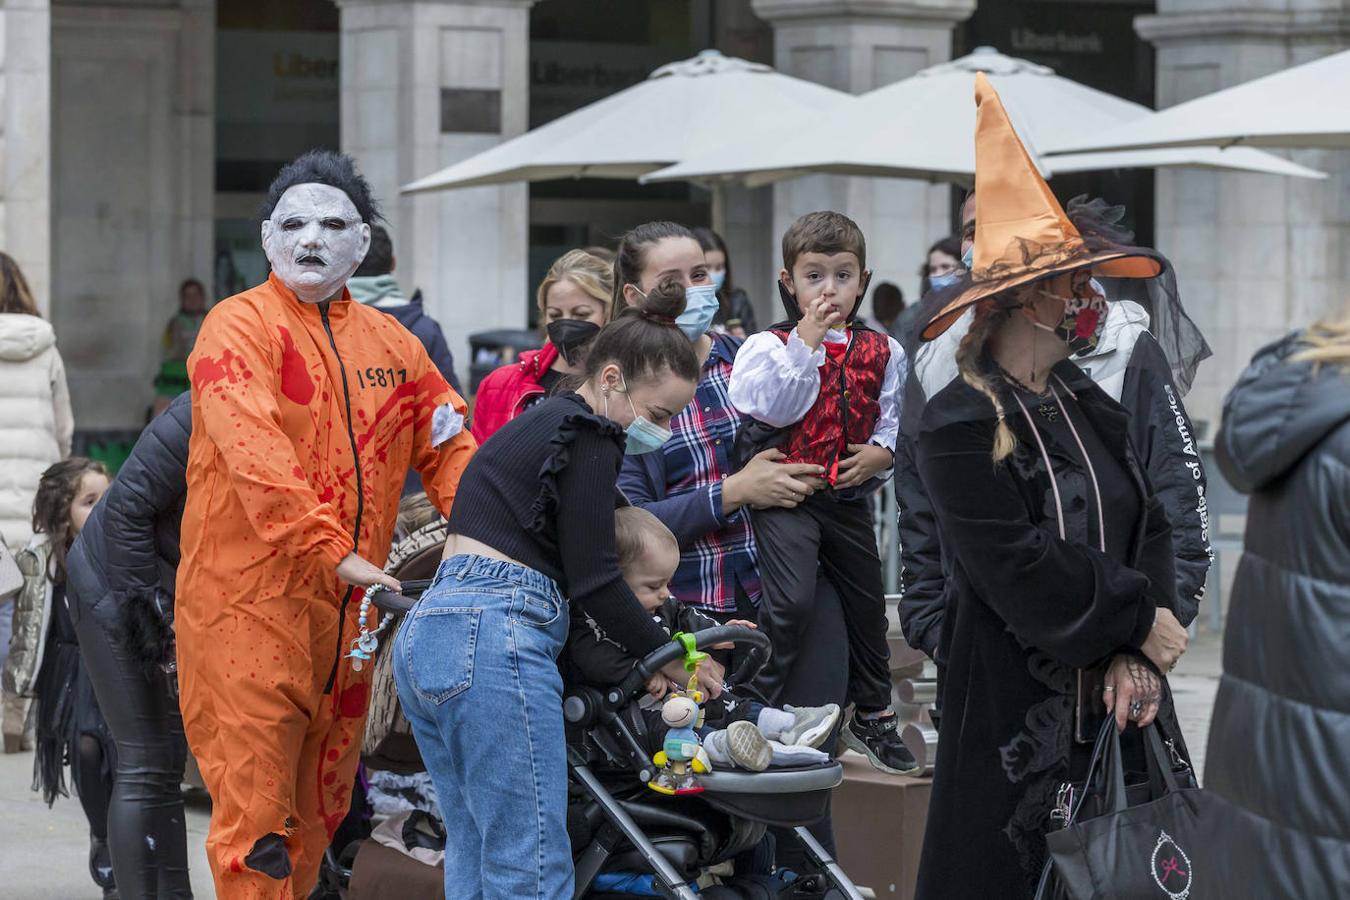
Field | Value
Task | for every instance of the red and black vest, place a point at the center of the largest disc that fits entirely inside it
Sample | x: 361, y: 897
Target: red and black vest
x: 849, y: 404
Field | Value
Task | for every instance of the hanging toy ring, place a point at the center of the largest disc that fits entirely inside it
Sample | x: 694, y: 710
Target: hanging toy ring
x: 367, y: 642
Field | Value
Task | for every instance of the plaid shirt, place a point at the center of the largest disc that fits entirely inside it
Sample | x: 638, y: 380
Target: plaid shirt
x: 694, y: 462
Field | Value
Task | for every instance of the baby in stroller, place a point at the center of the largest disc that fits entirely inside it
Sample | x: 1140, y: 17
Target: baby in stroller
x: 739, y: 731
x: 627, y: 840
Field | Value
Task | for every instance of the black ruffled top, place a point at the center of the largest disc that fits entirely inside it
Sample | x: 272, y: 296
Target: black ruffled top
x: 542, y: 491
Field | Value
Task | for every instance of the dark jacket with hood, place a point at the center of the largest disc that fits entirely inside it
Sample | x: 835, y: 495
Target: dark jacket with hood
x: 1025, y: 608
x: 1279, y: 744
x: 127, y: 553
x: 383, y: 293
x: 1130, y: 367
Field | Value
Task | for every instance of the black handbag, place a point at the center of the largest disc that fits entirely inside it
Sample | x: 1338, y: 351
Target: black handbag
x: 1144, y: 840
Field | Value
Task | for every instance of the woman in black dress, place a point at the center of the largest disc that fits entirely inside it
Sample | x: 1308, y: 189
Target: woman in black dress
x: 1060, y: 554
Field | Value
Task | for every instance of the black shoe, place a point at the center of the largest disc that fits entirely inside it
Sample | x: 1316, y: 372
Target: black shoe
x: 879, y: 740
x: 100, y: 863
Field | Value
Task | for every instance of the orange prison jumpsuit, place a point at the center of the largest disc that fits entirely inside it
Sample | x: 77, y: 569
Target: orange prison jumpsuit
x: 305, y: 421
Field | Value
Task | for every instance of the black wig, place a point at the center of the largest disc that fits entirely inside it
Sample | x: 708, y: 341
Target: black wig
x: 323, y: 167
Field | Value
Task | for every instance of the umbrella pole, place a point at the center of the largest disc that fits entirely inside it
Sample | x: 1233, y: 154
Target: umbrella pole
x: 718, y: 213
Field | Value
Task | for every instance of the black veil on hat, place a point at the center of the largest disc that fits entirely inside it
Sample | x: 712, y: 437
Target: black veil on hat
x: 1023, y: 235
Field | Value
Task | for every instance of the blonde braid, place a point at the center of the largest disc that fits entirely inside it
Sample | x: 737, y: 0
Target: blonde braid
x: 986, y: 320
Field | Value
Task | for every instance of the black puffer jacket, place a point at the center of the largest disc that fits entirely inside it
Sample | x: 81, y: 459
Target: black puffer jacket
x: 129, y: 546
x: 1279, y: 745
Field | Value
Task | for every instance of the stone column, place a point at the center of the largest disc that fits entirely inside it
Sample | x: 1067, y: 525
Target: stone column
x: 133, y: 181
x: 26, y: 141
x: 427, y: 83
x: 856, y: 46
x: 1256, y: 255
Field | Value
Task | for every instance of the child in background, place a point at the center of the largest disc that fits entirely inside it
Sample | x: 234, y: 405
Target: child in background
x: 747, y: 734
x: 44, y: 658
x: 826, y: 391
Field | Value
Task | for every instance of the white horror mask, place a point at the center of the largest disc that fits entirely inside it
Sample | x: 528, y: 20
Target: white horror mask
x: 314, y: 240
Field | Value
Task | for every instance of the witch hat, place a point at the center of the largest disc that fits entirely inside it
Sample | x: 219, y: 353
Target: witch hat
x: 1022, y: 234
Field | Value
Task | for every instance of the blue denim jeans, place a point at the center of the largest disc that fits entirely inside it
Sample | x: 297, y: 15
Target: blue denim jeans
x: 477, y: 674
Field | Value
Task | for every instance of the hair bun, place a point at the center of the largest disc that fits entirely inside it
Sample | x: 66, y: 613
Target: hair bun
x: 664, y: 302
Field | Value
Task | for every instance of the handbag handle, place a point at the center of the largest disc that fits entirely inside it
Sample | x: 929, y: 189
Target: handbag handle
x: 1100, y: 751
x: 1160, y: 758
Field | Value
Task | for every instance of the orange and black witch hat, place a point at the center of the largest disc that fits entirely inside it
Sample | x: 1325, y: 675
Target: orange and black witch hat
x: 1022, y: 234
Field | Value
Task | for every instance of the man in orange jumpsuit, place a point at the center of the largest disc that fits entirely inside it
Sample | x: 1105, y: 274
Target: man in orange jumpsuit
x: 307, y: 411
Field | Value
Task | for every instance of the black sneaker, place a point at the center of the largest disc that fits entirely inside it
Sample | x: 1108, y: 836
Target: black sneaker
x: 879, y: 740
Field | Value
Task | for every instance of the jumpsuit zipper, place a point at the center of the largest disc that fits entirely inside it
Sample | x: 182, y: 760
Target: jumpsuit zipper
x: 360, y: 494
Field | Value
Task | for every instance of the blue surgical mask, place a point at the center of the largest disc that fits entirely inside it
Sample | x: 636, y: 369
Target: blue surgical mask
x: 943, y: 281
x: 968, y: 258
x: 700, y: 308
x: 643, y: 436
x: 719, y: 278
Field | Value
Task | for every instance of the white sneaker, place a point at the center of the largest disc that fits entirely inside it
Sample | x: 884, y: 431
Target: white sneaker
x: 811, y: 725
x: 747, y: 746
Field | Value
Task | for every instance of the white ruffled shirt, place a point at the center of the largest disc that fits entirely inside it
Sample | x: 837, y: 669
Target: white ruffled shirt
x: 778, y: 383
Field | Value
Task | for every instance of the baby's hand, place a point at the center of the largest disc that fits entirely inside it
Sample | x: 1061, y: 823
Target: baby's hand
x: 658, y: 686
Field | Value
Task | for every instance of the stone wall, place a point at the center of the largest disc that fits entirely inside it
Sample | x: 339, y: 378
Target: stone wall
x: 404, y: 66
x: 25, y: 141
x: 131, y: 211
x: 1256, y: 255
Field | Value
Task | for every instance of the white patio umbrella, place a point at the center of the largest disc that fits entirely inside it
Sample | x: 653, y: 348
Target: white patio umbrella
x: 923, y: 127
x: 682, y: 109
x: 1305, y: 106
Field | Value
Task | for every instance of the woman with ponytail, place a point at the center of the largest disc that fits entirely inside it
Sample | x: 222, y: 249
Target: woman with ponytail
x: 1060, y: 604
x: 532, y: 532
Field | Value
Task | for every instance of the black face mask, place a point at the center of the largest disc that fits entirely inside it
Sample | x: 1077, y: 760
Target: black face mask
x: 571, y: 336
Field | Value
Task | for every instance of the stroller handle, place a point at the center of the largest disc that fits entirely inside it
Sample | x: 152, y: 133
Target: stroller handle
x: 400, y: 603
x: 662, y: 656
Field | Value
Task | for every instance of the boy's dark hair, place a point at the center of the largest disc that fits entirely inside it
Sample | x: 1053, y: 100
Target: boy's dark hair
x: 823, y: 232
x: 380, y: 257
x: 631, y: 253
x: 190, y: 283
x: 323, y: 167
x: 888, y: 301
x: 633, y: 527
x: 644, y: 340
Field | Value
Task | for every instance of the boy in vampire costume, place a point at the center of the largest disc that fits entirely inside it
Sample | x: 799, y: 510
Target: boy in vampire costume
x: 307, y: 411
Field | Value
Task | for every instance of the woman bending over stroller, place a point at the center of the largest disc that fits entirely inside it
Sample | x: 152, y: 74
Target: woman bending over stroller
x: 531, y: 527
x: 741, y: 731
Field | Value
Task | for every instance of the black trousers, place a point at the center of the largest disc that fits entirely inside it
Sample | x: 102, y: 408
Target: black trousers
x: 147, y: 834
x: 836, y: 534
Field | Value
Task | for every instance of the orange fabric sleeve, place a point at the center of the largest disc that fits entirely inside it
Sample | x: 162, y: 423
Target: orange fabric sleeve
x: 439, y: 459
x: 234, y: 381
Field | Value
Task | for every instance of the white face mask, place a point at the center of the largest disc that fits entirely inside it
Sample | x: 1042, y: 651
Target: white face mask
x: 314, y: 240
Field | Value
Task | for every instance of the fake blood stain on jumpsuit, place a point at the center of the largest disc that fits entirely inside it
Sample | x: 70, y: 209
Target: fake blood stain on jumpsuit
x: 305, y: 420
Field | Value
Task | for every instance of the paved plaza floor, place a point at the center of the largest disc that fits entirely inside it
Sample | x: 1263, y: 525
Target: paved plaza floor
x: 46, y: 850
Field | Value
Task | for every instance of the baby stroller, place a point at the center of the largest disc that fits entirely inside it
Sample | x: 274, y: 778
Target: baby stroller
x: 618, y: 825
x: 623, y: 832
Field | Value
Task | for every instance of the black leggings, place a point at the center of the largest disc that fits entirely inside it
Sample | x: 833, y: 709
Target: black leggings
x: 147, y: 836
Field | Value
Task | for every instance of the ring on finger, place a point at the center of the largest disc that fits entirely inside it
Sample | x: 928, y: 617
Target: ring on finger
x: 1136, y: 708
x: 1108, y: 689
